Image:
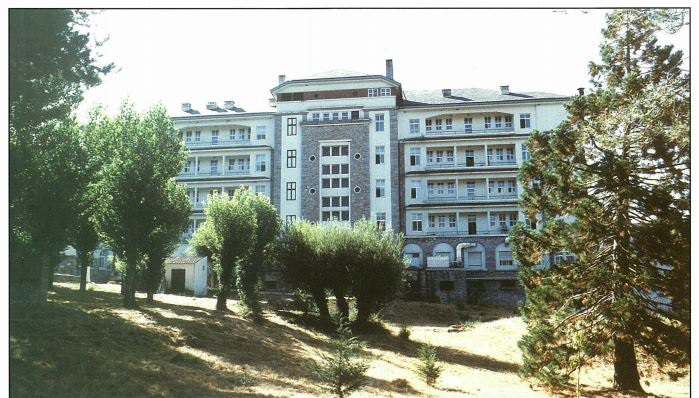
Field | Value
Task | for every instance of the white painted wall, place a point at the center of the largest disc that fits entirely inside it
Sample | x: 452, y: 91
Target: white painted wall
x: 383, y: 171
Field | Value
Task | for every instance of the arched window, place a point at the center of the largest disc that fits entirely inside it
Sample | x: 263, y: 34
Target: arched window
x: 413, y: 253
x: 503, y: 257
x: 443, y: 250
x: 472, y: 255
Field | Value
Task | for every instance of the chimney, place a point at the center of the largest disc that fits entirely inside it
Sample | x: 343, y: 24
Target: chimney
x: 446, y: 92
x: 230, y: 105
x: 581, y: 91
x: 212, y: 106
x: 186, y: 107
x: 282, y: 79
x: 389, y: 68
x: 504, y: 90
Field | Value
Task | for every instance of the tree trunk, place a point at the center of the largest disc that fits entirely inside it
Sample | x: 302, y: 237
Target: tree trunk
x: 52, y: 266
x: 149, y: 297
x: 129, y: 288
x: 364, y: 309
x: 43, y: 280
x: 224, y: 285
x: 84, y: 258
x: 321, y: 302
x: 625, y: 367
x: 342, y: 304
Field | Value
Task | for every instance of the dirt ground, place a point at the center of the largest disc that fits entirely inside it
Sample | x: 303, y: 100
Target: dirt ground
x: 85, y: 345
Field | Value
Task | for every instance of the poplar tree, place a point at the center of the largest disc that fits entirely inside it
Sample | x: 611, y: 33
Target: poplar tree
x: 611, y: 184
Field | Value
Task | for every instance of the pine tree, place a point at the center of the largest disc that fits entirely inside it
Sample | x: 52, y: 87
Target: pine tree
x: 611, y: 185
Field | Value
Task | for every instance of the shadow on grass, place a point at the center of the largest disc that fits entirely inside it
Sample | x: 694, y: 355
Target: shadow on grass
x: 78, y: 345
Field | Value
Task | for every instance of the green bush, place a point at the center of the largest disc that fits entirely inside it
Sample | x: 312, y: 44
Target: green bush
x: 343, y: 370
x: 428, y: 368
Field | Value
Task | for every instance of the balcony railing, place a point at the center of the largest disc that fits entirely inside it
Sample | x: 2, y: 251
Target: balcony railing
x: 215, y: 173
x: 458, y: 232
x: 219, y: 142
x: 470, y: 131
x: 448, y: 165
x: 457, y: 198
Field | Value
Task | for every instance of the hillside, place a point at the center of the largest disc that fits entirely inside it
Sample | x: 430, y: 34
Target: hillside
x: 87, y: 346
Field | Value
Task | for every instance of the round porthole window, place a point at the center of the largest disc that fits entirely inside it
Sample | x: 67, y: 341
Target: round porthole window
x: 312, y: 190
x: 357, y: 190
x: 357, y: 156
x: 312, y: 158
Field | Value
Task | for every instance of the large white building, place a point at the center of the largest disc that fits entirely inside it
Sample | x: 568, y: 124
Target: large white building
x: 438, y: 165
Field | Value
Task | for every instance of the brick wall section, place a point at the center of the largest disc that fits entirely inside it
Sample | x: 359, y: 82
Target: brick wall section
x: 275, y: 184
x: 358, y: 134
x: 396, y: 182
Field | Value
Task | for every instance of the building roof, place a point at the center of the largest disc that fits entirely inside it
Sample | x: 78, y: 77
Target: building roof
x: 182, y: 259
x: 335, y: 73
x: 471, y: 95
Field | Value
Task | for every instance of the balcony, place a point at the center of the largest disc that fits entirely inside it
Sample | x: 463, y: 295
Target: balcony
x: 469, y: 131
x: 465, y: 232
x: 215, y: 173
x: 216, y: 143
x: 451, y: 165
x: 458, y: 198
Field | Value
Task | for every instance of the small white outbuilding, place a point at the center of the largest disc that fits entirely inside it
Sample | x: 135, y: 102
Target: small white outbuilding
x: 186, y: 273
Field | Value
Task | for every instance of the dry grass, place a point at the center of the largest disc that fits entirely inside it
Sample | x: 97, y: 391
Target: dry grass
x: 87, y: 346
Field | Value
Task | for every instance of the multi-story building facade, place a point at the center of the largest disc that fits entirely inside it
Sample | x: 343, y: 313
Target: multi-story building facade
x: 440, y: 166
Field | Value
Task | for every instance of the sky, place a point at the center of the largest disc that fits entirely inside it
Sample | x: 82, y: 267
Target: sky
x: 196, y: 56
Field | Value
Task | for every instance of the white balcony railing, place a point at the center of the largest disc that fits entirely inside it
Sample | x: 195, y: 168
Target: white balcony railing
x: 216, y: 142
x: 454, y: 131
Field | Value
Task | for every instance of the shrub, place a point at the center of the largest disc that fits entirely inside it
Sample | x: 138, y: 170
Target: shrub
x: 428, y: 368
x: 342, y: 371
x: 404, y: 333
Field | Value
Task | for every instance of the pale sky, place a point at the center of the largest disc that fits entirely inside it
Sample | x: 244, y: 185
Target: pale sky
x: 175, y: 56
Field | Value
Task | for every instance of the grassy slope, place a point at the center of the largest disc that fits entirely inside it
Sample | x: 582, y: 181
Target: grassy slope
x: 87, y: 346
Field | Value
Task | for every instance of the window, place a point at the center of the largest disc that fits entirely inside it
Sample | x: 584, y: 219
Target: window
x: 498, y: 122
x: 470, y: 189
x: 428, y: 125
x: 474, y: 259
x: 187, y: 166
x: 452, y: 221
x: 291, y: 158
x: 214, y: 167
x: 290, y: 218
x: 261, y: 132
x: 354, y: 114
x: 448, y: 124
x: 505, y: 258
x: 438, y: 124
x: 417, y: 222
x: 260, y: 164
x: 380, y: 154
x: 385, y: 92
x: 335, y: 150
x: 468, y: 124
x: 414, y: 126
x: 316, y: 117
x: 290, y: 191
x: 373, y: 92
x: 214, y: 137
x: 291, y: 126
x: 510, y: 154
x: 197, y: 136
x: 380, y: 188
x: 345, y: 115
x: 488, y: 122
x: 104, y: 260
x: 450, y: 156
x: 414, y: 156
x: 499, y: 154
x: 525, y: 120
x: 326, y: 117
x: 415, y: 189
x: 508, y: 121
x: 244, y: 134
x: 231, y: 134
x: 568, y: 257
x: 381, y: 221
x: 260, y: 189
x: 336, y: 115
x: 451, y: 188
x: 525, y: 152
x: 188, y: 136
x: 378, y: 120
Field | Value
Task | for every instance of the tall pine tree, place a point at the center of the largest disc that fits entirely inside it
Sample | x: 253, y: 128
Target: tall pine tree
x: 611, y: 185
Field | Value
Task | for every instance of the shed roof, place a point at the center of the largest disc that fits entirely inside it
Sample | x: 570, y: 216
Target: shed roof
x: 182, y: 259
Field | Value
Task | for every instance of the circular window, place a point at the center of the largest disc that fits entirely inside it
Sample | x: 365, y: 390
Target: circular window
x: 312, y: 158
x: 357, y: 155
x: 357, y: 190
x: 312, y: 190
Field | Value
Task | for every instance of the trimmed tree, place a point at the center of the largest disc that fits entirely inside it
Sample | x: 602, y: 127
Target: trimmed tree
x: 50, y: 64
x: 172, y: 219
x: 612, y: 185
x: 249, y: 270
x: 139, y: 156
x: 229, y: 234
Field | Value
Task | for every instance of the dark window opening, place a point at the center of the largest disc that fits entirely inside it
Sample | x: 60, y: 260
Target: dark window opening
x: 446, y: 286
